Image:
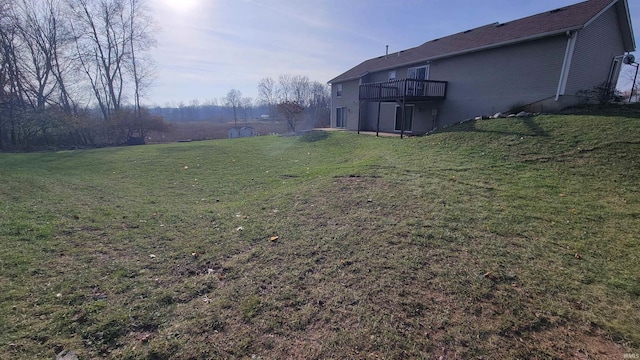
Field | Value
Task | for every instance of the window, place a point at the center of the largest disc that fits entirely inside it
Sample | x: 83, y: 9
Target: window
x: 417, y: 88
x: 614, y: 73
x: 341, y: 117
x: 339, y: 90
x: 392, y: 75
x: 420, y: 73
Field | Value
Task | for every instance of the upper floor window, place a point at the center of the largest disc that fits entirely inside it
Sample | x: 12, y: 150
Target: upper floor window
x: 614, y: 73
x: 419, y: 73
x: 338, y: 90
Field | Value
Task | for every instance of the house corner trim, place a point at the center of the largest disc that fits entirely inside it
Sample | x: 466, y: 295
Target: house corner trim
x: 566, y: 64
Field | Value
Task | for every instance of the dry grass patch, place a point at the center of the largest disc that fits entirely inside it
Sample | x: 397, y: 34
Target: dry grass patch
x: 460, y: 244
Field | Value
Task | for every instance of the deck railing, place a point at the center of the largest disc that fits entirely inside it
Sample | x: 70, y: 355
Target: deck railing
x: 408, y: 89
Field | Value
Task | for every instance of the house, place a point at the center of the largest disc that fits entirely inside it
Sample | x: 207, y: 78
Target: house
x: 540, y: 62
x: 240, y: 131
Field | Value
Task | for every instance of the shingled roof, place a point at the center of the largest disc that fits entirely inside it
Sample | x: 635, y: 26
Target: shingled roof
x: 549, y: 23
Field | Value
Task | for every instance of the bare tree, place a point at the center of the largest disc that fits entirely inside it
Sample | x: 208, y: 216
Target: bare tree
x: 293, y: 88
x: 319, y: 110
x: 312, y: 96
x: 267, y: 94
x: 50, y: 48
x: 141, y: 68
x: 33, y: 24
x: 61, y: 41
x: 233, y: 100
x: 32, y: 39
x: 301, y: 88
x: 110, y: 35
x: 12, y: 91
x: 284, y: 88
x: 247, y: 106
x: 292, y: 111
x: 45, y: 59
x: 101, y: 45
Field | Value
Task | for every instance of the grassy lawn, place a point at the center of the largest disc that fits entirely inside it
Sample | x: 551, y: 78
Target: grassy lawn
x: 510, y: 238
x: 207, y: 130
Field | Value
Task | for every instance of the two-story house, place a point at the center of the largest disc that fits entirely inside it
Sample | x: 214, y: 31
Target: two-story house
x: 541, y: 62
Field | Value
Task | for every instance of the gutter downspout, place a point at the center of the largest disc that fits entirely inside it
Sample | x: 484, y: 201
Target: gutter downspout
x: 566, y: 64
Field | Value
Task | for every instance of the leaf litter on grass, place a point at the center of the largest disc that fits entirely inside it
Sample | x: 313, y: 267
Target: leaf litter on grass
x: 396, y: 249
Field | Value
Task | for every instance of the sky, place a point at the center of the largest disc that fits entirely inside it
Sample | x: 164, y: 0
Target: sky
x: 207, y: 47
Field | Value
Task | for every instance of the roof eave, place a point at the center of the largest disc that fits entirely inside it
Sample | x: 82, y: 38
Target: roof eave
x: 507, y: 43
x: 627, y: 27
x: 466, y: 51
x: 337, y: 80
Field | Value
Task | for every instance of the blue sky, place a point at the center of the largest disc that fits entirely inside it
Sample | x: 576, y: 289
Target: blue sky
x: 207, y: 47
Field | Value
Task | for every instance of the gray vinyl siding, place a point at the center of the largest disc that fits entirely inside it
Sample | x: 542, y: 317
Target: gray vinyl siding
x: 401, y: 73
x: 423, y: 118
x: 481, y: 83
x: 387, y: 117
x: 349, y: 99
x: 596, y: 46
x: 495, y: 80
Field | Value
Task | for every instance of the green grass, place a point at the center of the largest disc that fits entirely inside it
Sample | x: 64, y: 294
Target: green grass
x: 509, y: 238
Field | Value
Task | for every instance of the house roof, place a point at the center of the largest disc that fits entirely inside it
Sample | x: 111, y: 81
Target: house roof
x: 545, y: 24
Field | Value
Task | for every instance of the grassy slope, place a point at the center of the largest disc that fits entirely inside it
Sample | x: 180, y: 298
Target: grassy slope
x: 502, y: 238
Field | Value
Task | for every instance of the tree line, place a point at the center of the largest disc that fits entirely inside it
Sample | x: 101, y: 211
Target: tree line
x: 213, y: 111
x: 292, y: 98
x: 297, y: 99
x: 72, y: 72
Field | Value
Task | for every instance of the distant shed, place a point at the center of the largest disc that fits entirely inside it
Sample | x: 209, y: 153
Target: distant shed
x: 240, y: 131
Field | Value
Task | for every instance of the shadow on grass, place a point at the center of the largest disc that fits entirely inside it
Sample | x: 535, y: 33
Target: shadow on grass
x: 533, y: 128
x: 314, y: 136
x: 629, y: 110
x: 623, y: 110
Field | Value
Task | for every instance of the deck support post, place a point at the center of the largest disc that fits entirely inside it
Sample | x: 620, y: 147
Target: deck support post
x: 378, y: 122
x: 402, y: 120
x: 359, y: 115
x: 397, y: 90
x: 379, y: 103
x: 402, y: 115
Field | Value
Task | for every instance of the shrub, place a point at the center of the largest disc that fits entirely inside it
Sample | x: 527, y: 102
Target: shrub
x: 601, y: 94
x: 516, y: 107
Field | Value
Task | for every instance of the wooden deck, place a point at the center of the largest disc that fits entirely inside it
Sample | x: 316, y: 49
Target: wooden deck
x: 406, y: 90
